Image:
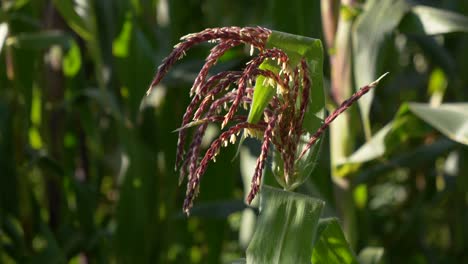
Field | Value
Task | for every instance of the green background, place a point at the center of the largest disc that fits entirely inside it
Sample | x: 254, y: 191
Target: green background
x: 86, y: 166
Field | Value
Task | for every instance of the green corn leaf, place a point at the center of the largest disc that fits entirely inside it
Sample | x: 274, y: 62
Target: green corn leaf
x: 331, y: 246
x: 431, y: 21
x: 404, y: 126
x: 450, y: 119
x: 285, y: 228
x: 372, y: 30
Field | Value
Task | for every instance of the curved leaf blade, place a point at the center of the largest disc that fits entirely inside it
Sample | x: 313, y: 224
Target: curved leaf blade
x: 450, y: 119
x: 432, y: 21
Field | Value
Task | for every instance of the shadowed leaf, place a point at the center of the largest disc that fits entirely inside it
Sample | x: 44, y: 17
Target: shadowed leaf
x: 285, y: 228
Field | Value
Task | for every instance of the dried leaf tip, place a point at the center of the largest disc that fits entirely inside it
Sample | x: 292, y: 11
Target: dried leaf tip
x: 374, y: 83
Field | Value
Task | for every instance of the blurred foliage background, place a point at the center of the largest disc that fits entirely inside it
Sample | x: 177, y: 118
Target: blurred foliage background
x: 86, y: 160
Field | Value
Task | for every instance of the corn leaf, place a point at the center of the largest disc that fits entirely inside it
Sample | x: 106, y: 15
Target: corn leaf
x: 372, y: 30
x: 432, y: 21
x: 285, y: 228
x: 331, y: 246
x: 450, y: 119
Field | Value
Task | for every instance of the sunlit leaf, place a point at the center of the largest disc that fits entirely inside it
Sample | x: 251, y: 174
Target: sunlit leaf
x: 437, y: 86
x: 121, y: 45
x: 431, y: 21
x: 71, y: 64
x: 3, y: 34
x: 450, y: 119
x: 372, y: 31
x: 402, y: 128
x: 331, y: 246
x: 371, y: 255
x: 372, y: 149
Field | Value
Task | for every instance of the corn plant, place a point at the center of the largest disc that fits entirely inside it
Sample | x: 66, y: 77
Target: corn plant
x: 282, y: 89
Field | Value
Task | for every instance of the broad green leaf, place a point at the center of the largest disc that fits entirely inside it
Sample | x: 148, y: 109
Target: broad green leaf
x: 372, y: 31
x: 432, y: 21
x: 68, y: 11
x: 403, y: 127
x: 285, y: 228
x: 450, y: 119
x: 372, y: 149
x: 331, y: 246
x: 371, y: 255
